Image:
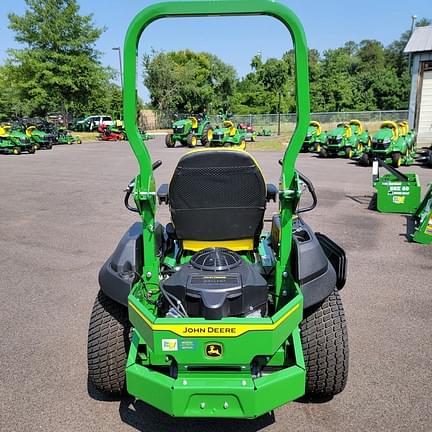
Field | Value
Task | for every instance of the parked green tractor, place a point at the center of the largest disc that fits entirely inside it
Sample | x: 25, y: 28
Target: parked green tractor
x: 210, y: 316
x: 315, y: 138
x: 346, y: 140
x: 393, y: 143
x: 229, y: 135
x: 14, y: 142
x: 189, y: 130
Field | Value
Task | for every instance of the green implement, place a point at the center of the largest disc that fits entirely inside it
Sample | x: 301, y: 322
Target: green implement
x: 396, y: 192
x: 189, y: 131
x: 210, y: 316
x: 423, y: 220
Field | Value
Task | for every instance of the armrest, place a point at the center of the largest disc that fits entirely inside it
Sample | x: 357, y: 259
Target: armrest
x: 162, y: 194
x: 272, y: 192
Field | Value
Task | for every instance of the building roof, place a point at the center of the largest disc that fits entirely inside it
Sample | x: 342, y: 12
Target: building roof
x: 420, y: 40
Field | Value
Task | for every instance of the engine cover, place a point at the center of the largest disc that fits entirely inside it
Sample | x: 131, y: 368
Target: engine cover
x: 217, y: 283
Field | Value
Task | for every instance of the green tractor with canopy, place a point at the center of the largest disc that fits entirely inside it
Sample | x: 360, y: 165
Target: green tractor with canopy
x: 346, y: 140
x: 210, y: 315
x: 393, y: 143
x: 189, y: 131
x: 315, y: 138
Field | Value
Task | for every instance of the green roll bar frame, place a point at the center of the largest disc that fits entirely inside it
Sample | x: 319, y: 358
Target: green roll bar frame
x: 144, y: 190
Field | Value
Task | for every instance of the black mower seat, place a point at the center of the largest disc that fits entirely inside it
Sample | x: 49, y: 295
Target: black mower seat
x: 217, y: 195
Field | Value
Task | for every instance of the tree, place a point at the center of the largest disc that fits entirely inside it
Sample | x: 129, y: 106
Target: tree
x: 185, y: 81
x: 59, y: 67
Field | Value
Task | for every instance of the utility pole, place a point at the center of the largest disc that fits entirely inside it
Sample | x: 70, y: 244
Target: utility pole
x: 120, y: 64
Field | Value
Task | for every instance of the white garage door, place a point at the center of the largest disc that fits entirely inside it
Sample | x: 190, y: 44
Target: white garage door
x: 425, y: 117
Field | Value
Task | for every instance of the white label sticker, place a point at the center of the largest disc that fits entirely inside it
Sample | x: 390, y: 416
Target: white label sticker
x: 169, y: 345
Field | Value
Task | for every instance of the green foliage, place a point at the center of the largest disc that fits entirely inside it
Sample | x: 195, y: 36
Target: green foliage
x: 186, y: 81
x: 354, y: 77
x: 58, y: 68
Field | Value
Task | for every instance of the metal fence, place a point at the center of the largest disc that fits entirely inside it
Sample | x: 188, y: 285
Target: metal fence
x: 328, y: 120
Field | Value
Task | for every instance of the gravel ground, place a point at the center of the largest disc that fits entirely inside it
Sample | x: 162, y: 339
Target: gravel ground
x: 62, y: 214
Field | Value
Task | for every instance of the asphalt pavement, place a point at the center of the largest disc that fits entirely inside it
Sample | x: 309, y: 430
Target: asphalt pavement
x: 61, y: 216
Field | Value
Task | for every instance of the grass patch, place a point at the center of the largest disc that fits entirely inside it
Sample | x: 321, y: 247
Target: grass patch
x: 86, y: 136
x: 276, y: 143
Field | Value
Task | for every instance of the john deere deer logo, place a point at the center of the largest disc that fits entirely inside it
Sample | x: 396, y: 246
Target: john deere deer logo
x: 213, y: 350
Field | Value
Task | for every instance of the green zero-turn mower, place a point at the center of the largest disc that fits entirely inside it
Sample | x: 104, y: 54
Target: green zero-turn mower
x: 188, y: 131
x: 14, y: 142
x: 210, y: 316
x: 315, y: 138
x: 229, y: 135
x: 346, y: 140
x: 393, y: 143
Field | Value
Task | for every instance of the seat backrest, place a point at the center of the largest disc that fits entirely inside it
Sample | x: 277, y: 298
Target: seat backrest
x: 217, y: 195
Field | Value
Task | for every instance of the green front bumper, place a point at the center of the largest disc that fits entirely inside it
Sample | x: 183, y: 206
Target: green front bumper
x: 203, y: 386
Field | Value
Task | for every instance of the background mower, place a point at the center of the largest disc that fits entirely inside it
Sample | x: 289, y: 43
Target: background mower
x: 315, y: 138
x: 393, y: 143
x: 228, y: 135
x: 210, y: 316
x: 188, y: 131
x: 111, y: 133
x: 346, y: 140
x: 248, y: 130
x: 14, y: 142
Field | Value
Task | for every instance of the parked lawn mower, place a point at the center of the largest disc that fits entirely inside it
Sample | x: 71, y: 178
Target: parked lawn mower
x: 315, y: 138
x: 346, y: 140
x: 210, y: 316
x: 248, y: 130
x: 392, y: 143
x: 13, y: 142
x: 111, y: 133
x: 60, y: 134
x: 228, y: 135
x: 264, y: 132
x: 188, y: 131
x: 398, y: 192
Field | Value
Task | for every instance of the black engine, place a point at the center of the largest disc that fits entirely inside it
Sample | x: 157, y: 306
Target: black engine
x: 217, y: 283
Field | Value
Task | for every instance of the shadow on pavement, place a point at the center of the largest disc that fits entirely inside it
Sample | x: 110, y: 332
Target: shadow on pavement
x: 143, y: 417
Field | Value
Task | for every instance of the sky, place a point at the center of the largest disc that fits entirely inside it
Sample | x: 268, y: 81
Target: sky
x: 328, y: 24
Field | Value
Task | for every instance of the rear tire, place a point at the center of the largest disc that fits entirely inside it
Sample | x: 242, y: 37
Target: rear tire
x: 242, y: 144
x: 48, y: 146
x: 396, y: 160
x: 325, y: 347
x: 207, y: 136
x: 364, y: 160
x: 108, y: 345
x: 31, y: 150
x: 169, y: 141
x: 323, y: 152
x: 192, y: 140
